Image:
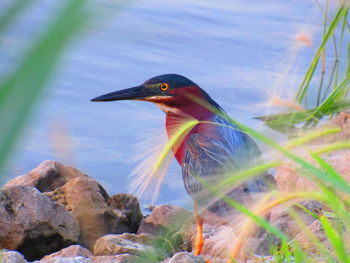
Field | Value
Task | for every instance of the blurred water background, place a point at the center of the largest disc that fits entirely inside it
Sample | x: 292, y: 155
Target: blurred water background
x: 240, y: 52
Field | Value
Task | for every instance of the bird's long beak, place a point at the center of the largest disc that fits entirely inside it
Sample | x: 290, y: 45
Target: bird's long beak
x: 136, y: 93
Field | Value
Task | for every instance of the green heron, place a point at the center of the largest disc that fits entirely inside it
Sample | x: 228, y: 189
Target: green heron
x: 208, y: 150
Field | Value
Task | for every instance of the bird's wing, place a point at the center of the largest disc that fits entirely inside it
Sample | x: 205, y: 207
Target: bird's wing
x: 208, y: 159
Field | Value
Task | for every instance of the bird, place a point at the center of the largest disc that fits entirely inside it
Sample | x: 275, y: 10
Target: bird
x: 211, y: 149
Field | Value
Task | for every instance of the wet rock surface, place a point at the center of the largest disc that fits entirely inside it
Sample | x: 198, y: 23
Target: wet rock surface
x: 33, y: 224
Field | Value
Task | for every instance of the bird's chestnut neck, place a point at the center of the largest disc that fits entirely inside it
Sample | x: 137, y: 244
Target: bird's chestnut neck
x: 186, y: 103
x: 191, y: 104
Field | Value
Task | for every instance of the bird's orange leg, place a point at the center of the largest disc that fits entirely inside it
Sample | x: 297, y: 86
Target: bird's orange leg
x: 199, y: 242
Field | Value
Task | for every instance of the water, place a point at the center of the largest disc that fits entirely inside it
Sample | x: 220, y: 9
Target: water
x: 239, y: 51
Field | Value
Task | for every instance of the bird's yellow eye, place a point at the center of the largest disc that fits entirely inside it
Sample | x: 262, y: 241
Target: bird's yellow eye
x: 164, y: 86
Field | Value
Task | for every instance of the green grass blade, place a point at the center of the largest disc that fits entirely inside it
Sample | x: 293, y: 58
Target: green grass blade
x: 286, y: 122
x: 22, y: 88
x: 335, y: 95
x: 335, y: 240
x: 307, y: 79
x: 180, y: 132
x: 12, y: 12
x: 348, y: 67
x: 337, y: 180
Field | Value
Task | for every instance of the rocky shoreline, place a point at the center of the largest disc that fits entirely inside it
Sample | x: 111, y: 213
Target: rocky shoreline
x: 55, y: 213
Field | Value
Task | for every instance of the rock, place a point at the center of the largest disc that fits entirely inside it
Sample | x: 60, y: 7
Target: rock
x: 169, y: 223
x: 66, y: 260
x: 342, y: 121
x: 114, y: 244
x: 129, y: 206
x: 184, y: 257
x: 33, y: 224
x: 163, y: 218
x: 289, y: 180
x: 70, y: 252
x: 11, y: 257
x: 48, y: 176
x: 87, y: 201
x: 340, y: 162
x: 122, y: 258
x: 306, y: 243
x: 142, y: 238
x: 281, y: 219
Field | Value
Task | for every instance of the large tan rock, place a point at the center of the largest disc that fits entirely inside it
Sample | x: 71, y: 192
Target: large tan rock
x: 115, y: 244
x: 69, y: 252
x: 33, y: 224
x: 48, y: 176
x: 97, y: 214
x: 86, y: 200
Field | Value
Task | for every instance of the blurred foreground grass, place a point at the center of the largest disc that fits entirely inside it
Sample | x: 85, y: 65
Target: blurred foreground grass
x: 22, y: 87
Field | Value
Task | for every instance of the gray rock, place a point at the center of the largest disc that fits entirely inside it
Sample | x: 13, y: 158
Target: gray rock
x: 11, y: 257
x: 122, y: 258
x: 86, y: 199
x: 184, y: 257
x: 33, y: 224
x: 48, y: 176
x: 69, y: 252
x: 114, y: 244
x: 67, y: 260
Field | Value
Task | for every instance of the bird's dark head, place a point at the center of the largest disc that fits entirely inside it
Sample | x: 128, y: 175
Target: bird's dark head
x: 168, y: 91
